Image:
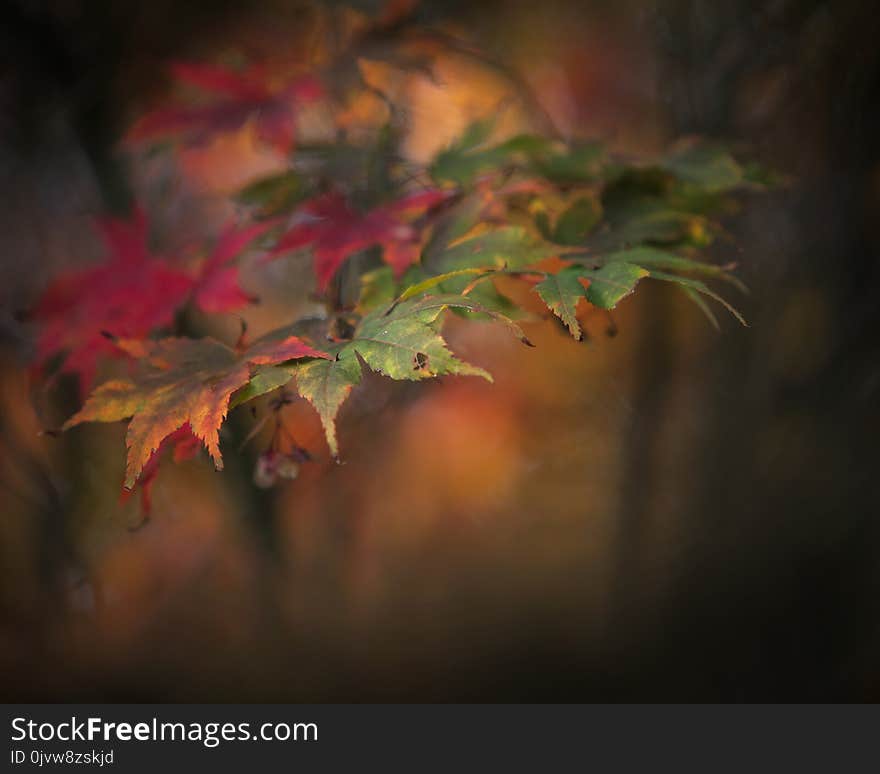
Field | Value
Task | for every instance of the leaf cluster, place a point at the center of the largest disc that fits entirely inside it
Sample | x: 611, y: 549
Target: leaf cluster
x: 581, y: 226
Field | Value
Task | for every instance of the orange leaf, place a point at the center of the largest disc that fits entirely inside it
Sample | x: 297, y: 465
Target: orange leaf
x: 185, y: 382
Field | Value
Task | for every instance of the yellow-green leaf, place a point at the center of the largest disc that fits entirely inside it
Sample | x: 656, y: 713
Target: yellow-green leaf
x: 561, y: 292
x: 612, y: 282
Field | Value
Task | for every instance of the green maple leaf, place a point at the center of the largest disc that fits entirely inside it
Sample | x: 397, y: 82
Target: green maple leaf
x: 661, y: 260
x: 326, y: 384
x: 620, y: 273
x: 660, y: 263
x: 471, y: 156
x: 482, y: 250
x: 612, y: 282
x: 407, y: 347
x: 512, y: 247
x: 562, y: 292
x: 402, y: 343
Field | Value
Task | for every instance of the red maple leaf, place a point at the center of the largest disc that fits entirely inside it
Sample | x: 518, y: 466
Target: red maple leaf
x: 240, y: 95
x: 218, y: 289
x: 336, y: 231
x: 132, y: 294
x: 126, y: 297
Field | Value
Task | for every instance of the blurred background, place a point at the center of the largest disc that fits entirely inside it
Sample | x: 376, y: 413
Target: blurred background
x: 670, y: 513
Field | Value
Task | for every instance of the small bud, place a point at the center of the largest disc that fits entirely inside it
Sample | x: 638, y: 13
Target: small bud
x: 265, y: 473
x: 272, y: 465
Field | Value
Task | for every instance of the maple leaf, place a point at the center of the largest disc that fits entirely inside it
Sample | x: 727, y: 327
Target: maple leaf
x: 404, y: 343
x: 127, y: 297
x: 472, y: 156
x: 186, y: 382
x: 131, y: 294
x: 239, y: 95
x: 184, y: 446
x: 512, y: 247
x: 606, y: 285
x: 218, y: 288
x: 562, y: 292
x: 603, y: 287
x: 336, y: 231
